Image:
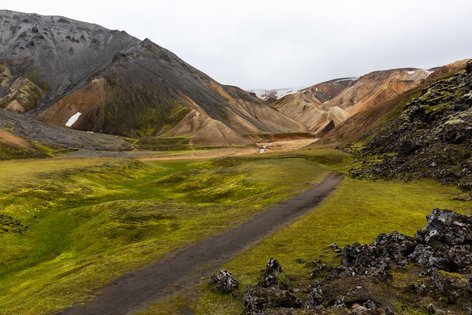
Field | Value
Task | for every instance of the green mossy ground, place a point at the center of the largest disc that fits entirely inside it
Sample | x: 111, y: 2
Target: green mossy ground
x: 163, y: 144
x: 12, y: 153
x: 357, y: 212
x: 89, y: 221
x: 75, y: 225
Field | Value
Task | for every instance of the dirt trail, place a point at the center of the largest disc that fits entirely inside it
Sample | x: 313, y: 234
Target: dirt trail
x: 272, y: 147
x: 186, y: 267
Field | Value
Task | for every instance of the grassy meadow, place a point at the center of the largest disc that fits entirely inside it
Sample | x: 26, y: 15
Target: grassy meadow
x: 68, y: 227
x: 357, y: 211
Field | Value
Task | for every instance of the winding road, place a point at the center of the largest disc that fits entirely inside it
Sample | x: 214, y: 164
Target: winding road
x: 185, y: 267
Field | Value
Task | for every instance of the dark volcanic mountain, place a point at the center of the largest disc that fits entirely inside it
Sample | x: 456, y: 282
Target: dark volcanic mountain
x: 88, y: 77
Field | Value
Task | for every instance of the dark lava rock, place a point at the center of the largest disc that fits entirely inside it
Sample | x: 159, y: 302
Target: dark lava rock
x: 459, y: 256
x: 445, y: 241
x: 448, y: 227
x: 223, y: 282
x: 395, y: 246
x: 336, y: 248
x: 376, y: 259
x: 446, y: 288
x: 431, y: 309
x: 424, y: 255
x: 257, y: 299
x: 316, y: 297
x: 319, y: 269
x: 444, y: 244
x: 273, y: 265
x: 438, y: 262
x: 388, y: 311
x: 271, y: 274
x: 357, y: 256
x: 370, y: 305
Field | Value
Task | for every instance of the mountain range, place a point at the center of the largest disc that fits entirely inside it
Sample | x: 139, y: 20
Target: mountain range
x: 53, y: 68
x: 59, y: 76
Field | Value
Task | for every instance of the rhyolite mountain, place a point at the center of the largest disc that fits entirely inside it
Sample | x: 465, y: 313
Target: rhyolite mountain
x: 324, y: 106
x: 306, y: 106
x: 52, y: 68
x: 56, y: 71
x: 369, y: 118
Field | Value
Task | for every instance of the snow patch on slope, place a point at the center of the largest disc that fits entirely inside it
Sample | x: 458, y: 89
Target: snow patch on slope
x: 427, y: 72
x: 275, y: 93
x: 346, y: 79
x: 73, y: 119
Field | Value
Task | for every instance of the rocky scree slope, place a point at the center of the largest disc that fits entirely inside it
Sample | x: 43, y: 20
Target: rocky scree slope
x: 428, y: 273
x: 432, y: 137
x: 54, y: 68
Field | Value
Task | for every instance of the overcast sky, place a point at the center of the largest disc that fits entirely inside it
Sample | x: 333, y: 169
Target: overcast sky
x: 285, y: 43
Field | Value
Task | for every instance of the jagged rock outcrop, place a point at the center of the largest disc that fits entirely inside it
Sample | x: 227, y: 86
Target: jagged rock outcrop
x: 272, y: 274
x: 432, y: 137
x: 271, y: 292
x: 443, y: 246
x: 223, y: 282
